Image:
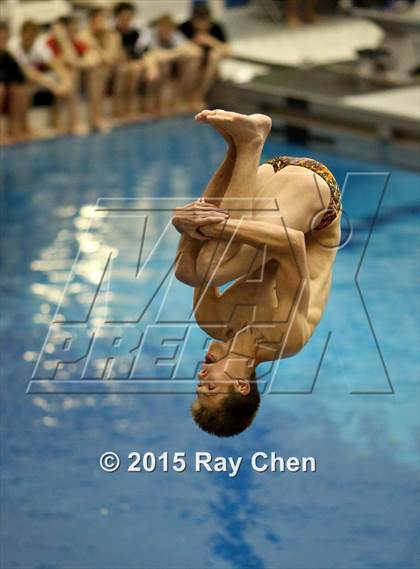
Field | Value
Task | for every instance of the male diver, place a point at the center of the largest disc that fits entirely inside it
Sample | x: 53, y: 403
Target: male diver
x: 273, y: 229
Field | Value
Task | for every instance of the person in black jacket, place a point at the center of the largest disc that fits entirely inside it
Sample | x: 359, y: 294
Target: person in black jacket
x: 138, y: 65
x: 211, y: 37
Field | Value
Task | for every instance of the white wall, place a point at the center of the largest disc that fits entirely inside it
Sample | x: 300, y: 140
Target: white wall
x: 41, y: 11
x: 44, y: 11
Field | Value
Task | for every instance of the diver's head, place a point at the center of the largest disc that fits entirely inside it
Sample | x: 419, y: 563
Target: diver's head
x: 227, y: 393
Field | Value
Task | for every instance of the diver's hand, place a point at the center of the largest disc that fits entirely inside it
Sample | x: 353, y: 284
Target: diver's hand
x: 189, y: 218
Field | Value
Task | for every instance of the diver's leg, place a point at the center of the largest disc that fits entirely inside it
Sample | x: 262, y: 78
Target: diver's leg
x: 220, y: 261
x: 249, y: 134
x: 213, y: 193
x: 218, y: 184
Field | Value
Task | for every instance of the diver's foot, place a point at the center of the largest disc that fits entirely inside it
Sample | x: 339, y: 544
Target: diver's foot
x: 244, y: 129
x: 202, y: 118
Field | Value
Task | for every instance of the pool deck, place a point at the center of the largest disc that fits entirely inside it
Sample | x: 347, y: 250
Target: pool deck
x: 309, y: 78
x: 403, y: 102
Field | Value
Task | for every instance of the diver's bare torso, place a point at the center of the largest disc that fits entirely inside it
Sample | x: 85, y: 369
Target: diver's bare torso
x: 256, y: 299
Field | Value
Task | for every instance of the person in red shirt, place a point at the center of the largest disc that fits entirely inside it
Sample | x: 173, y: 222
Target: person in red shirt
x: 64, y: 43
x: 43, y: 71
x: 75, y: 55
x: 105, y: 49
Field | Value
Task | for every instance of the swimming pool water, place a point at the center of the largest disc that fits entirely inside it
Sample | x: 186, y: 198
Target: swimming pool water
x: 60, y: 511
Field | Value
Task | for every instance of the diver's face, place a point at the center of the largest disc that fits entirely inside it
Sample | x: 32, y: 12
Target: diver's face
x: 219, y: 375
x: 213, y: 382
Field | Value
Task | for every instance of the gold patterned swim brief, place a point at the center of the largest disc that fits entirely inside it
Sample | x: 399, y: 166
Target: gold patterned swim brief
x: 334, y: 206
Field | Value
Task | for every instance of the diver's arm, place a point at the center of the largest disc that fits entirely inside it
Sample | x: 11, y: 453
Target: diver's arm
x: 186, y: 220
x: 256, y: 233
x: 283, y: 244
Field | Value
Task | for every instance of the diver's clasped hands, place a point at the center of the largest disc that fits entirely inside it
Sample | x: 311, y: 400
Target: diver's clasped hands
x: 189, y: 218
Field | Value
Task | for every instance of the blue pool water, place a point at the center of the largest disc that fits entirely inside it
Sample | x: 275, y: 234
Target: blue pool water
x: 60, y: 511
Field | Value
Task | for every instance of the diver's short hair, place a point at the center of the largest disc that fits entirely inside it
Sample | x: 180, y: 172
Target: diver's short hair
x: 234, y: 415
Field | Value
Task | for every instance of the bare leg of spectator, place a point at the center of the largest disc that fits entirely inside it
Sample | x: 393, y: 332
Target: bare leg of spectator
x: 151, y: 96
x: 189, y: 61
x: 209, y: 74
x: 75, y: 126
x: 309, y: 14
x: 97, y: 79
x: 119, y: 97
x: 152, y: 83
x: 136, y: 73
x: 24, y: 126
x: 55, y: 115
x: 168, y: 88
x: 16, y: 109
x: 292, y: 13
x: 4, y: 139
x: 166, y: 94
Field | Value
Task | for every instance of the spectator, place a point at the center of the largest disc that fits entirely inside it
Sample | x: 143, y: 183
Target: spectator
x: 66, y: 45
x: 42, y: 71
x: 137, y: 65
x: 105, y: 47
x: 130, y: 35
x: 12, y: 88
x: 212, y: 39
x: 75, y: 56
x: 178, y: 61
